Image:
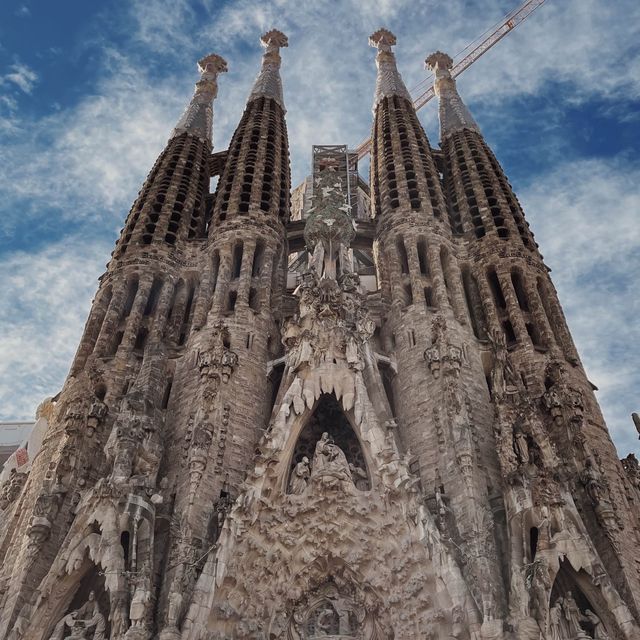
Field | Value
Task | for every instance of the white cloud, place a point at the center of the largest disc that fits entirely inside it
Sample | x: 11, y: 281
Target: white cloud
x: 44, y: 303
x: 20, y: 75
x: 90, y: 160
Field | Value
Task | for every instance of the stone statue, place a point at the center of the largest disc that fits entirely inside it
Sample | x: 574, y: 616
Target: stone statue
x: 97, y: 413
x: 139, y: 602
x: 556, y: 622
x: 572, y: 616
x: 327, y: 621
x: 359, y: 476
x: 540, y: 585
x: 300, y: 477
x: 87, y: 617
x: 599, y: 632
x: 329, y: 460
x: 521, y: 446
x: 592, y: 483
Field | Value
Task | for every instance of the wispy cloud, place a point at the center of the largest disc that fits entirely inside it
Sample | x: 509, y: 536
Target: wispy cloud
x: 44, y: 301
x: 20, y: 75
x: 23, y: 11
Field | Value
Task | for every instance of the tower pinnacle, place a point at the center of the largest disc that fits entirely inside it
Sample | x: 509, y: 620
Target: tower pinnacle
x: 454, y: 115
x: 198, y: 116
x: 389, y: 81
x: 268, y: 83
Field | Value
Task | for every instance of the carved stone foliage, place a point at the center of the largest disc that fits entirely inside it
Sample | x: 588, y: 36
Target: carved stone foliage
x: 506, y: 384
x: 442, y: 354
x: 217, y: 362
x: 565, y: 404
x: 134, y: 447
x: 632, y: 468
x: 11, y: 488
x: 45, y: 510
x: 326, y: 569
x: 332, y: 324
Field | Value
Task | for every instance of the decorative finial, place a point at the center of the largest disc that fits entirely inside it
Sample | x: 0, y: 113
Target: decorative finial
x: 439, y: 61
x: 268, y: 82
x: 212, y: 64
x: 274, y: 39
x: 454, y: 115
x: 198, y: 117
x: 383, y: 39
x: 389, y: 81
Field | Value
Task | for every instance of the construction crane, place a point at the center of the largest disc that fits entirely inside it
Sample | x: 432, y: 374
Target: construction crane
x: 467, y: 57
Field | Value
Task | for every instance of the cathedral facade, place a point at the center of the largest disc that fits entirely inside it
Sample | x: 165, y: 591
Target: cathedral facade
x: 349, y: 410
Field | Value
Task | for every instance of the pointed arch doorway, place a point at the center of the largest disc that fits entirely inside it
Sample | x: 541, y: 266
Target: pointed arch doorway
x: 328, y: 417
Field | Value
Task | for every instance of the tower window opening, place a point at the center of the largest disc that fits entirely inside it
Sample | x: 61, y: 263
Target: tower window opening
x: 215, y: 265
x: 533, y: 334
x: 115, y: 343
x: 141, y: 339
x: 152, y: 299
x: 184, y: 329
x: 167, y: 393
x: 496, y: 289
x: 408, y: 295
x: 521, y: 294
x: 533, y: 542
x: 231, y: 301
x: 509, y: 333
x: 124, y: 542
x: 474, y: 304
x: 446, y: 273
x: 254, y: 300
x: 402, y: 256
x: 257, y: 260
x: 237, y: 260
x: 132, y: 290
x: 422, y: 257
x: 428, y: 297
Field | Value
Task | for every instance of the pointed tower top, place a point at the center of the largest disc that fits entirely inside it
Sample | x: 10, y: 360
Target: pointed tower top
x: 389, y: 81
x: 268, y: 83
x: 454, y: 115
x: 198, y: 116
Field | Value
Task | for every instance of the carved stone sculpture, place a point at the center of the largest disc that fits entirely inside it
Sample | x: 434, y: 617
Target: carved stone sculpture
x: 599, y: 632
x: 300, y: 477
x: 521, y: 446
x: 11, y: 488
x: 87, y: 619
x: 360, y: 477
x: 592, y: 482
x: 572, y: 616
x: 329, y: 460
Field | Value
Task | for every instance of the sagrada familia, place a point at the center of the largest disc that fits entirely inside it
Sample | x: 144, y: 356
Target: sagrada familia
x: 349, y: 410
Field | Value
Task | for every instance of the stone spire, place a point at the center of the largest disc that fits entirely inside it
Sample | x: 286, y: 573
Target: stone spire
x: 198, y: 116
x: 389, y: 81
x: 454, y: 115
x: 268, y: 83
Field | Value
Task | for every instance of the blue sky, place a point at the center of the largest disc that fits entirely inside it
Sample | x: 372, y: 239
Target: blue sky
x: 89, y: 92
